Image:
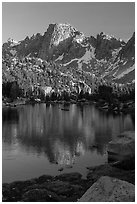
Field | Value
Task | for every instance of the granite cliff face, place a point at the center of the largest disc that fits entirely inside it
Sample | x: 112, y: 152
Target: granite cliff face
x: 103, y: 56
x: 128, y: 51
x: 61, y: 39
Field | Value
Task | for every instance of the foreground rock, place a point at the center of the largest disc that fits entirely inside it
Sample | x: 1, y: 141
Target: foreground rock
x: 111, y: 171
x: 122, y: 147
x: 108, y: 189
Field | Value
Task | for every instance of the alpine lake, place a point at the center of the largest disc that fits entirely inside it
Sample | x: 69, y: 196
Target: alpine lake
x: 48, y: 139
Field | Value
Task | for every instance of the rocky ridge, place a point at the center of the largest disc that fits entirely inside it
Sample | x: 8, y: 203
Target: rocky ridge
x: 104, y: 55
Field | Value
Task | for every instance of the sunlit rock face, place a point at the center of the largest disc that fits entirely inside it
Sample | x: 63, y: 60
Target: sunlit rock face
x: 59, y: 39
x: 60, y: 33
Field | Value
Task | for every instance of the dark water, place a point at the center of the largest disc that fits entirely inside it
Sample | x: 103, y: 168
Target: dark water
x: 41, y: 139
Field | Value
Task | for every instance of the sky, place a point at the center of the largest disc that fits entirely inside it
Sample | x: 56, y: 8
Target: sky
x: 21, y: 19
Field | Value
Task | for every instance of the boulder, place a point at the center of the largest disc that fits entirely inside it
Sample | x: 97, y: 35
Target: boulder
x: 122, y: 147
x: 108, y: 189
x: 111, y: 171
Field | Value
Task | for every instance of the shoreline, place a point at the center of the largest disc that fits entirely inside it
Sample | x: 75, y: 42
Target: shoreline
x: 66, y: 187
x: 127, y: 107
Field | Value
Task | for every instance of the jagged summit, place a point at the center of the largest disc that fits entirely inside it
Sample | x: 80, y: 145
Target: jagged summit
x: 106, y: 36
x: 61, y: 32
x: 58, y: 39
x: 110, y: 37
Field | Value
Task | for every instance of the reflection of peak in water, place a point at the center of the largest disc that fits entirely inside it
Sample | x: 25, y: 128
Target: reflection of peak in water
x: 65, y: 155
x: 41, y: 128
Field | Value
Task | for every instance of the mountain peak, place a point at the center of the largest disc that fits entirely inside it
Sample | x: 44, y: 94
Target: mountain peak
x: 109, y: 37
x: 12, y: 42
x: 61, y: 31
x: 106, y: 36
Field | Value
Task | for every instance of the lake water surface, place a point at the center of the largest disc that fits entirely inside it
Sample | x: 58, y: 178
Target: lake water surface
x: 40, y: 139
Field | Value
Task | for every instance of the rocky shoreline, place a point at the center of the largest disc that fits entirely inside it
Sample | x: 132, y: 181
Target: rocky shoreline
x: 67, y: 187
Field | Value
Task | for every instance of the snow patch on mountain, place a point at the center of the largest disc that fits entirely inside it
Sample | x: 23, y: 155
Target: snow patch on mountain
x: 126, y: 72
x: 79, y: 38
x: 115, y: 52
x: 70, y: 62
x: 60, y: 57
x: 89, y: 54
x: 86, y: 57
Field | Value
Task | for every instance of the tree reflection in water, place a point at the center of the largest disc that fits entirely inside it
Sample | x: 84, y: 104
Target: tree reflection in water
x: 61, y: 135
